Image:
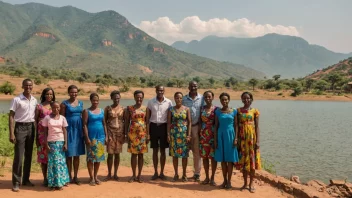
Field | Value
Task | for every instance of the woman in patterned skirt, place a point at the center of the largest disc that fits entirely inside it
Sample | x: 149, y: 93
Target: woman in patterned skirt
x: 56, y: 145
x: 249, y: 140
x: 206, y: 137
x: 43, y: 109
x: 114, y: 119
x: 179, y: 130
x: 95, y: 133
x: 138, y: 136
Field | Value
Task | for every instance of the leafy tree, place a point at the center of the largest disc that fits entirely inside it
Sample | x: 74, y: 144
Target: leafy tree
x: 85, y: 75
x: 7, y: 88
x: 253, y: 82
x: 297, y: 91
x: 18, y: 72
x: 276, y: 77
x: 45, y: 73
x: 321, y: 85
x: 334, y: 78
x: 211, y: 81
x: 197, y: 79
x: 37, y: 80
x: 309, y: 83
x: 81, y: 79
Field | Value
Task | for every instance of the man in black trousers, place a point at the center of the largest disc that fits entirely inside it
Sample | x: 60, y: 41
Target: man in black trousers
x: 22, y: 134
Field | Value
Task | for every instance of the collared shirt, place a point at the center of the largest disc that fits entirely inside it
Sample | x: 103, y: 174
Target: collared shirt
x: 24, y: 109
x: 159, y: 110
x: 194, y: 106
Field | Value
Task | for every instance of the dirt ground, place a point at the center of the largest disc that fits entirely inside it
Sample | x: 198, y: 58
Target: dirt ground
x: 60, y: 88
x: 148, y: 189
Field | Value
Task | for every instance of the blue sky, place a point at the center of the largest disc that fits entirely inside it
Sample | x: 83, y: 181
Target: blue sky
x: 322, y: 22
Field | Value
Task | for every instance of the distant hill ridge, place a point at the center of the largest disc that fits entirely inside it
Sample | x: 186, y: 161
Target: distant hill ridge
x: 289, y: 56
x: 98, y: 43
x: 344, y: 68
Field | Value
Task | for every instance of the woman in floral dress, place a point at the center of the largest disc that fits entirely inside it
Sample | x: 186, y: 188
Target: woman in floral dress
x: 95, y: 132
x: 206, y: 137
x: 249, y: 140
x: 137, y: 133
x: 179, y: 129
x: 43, y: 109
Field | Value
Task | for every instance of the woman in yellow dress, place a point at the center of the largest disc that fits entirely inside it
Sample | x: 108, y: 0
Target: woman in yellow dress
x: 249, y: 140
x: 138, y: 137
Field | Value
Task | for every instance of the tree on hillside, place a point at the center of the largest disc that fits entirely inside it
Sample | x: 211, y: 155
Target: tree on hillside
x: 334, y: 78
x: 211, y: 81
x: 253, y: 82
x: 196, y: 78
x: 276, y: 77
x: 321, y: 85
x: 309, y: 83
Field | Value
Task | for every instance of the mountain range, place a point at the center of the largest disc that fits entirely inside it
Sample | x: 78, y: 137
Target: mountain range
x: 289, y: 56
x: 98, y: 43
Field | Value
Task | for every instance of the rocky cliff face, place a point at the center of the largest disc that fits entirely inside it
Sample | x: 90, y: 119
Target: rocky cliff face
x: 106, y: 43
x: 159, y: 49
x: 2, y: 59
x: 45, y: 35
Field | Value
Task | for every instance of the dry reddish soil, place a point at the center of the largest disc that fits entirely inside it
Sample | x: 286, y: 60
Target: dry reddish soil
x: 148, y: 189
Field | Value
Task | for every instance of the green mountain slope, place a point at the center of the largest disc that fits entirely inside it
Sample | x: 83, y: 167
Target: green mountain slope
x: 98, y: 43
x: 273, y: 54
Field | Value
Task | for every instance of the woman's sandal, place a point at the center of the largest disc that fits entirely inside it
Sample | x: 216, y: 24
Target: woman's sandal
x: 205, y: 182
x: 51, y: 188
x: 228, y: 187
x: 116, y: 178
x: 59, y: 188
x: 252, y: 189
x: 212, y: 183
x: 140, y: 180
x: 223, y: 185
x: 76, y: 181
x: 132, y: 179
x: 175, y: 178
x: 98, y: 182
x: 184, y: 179
x: 92, y: 182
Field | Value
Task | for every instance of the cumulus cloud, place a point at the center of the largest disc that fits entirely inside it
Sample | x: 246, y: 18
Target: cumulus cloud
x: 193, y: 28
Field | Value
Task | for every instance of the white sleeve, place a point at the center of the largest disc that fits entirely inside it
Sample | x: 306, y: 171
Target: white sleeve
x: 13, y: 105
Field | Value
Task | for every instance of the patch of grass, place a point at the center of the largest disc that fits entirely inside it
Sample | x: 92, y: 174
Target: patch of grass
x: 269, y: 166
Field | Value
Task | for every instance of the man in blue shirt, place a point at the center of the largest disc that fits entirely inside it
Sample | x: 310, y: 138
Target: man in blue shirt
x: 194, y: 101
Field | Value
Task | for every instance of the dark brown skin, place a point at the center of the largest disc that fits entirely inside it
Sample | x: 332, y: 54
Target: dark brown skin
x: 113, y: 157
x: 208, y: 98
x: 193, y: 88
x: 45, y: 104
x: 179, y: 107
x: 95, y: 110
x: 247, y: 102
x: 27, y: 87
x: 227, y: 167
x: 160, y: 97
x: 74, y: 102
x: 139, y: 100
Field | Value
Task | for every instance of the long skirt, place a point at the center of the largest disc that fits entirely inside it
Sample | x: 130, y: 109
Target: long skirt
x: 57, y: 168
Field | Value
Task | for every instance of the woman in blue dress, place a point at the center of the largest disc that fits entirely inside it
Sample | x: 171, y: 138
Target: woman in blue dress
x: 95, y: 133
x: 72, y: 110
x: 225, y: 138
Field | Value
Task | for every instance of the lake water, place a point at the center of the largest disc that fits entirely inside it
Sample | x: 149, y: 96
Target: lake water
x: 310, y: 139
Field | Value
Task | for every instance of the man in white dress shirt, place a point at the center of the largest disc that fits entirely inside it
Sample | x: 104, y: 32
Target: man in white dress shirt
x: 157, y: 119
x: 22, y: 134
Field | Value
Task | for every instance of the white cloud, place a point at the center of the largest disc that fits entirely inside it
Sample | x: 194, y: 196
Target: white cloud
x: 193, y: 28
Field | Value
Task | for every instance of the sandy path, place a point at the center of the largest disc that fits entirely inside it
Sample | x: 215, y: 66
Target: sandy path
x: 152, y: 189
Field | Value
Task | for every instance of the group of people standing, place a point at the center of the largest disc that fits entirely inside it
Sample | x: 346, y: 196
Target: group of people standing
x: 65, y: 131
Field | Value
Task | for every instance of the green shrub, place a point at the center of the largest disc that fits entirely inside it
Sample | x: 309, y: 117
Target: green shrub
x: 297, y: 91
x: 125, y: 88
x: 7, y: 88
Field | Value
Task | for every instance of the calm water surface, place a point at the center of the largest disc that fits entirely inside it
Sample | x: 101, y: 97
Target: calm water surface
x: 310, y: 139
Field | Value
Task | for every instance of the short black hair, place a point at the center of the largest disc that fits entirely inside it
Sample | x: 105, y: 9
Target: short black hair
x: 212, y: 93
x: 54, y: 102
x: 92, y: 95
x: 42, y: 97
x: 138, y: 92
x: 113, y: 93
x: 158, y: 87
x: 224, y: 94
x: 71, y: 87
x: 192, y: 82
x: 249, y: 93
x: 178, y: 93
x: 26, y: 80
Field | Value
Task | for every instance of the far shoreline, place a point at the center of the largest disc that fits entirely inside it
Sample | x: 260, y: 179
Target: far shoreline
x: 60, y: 88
